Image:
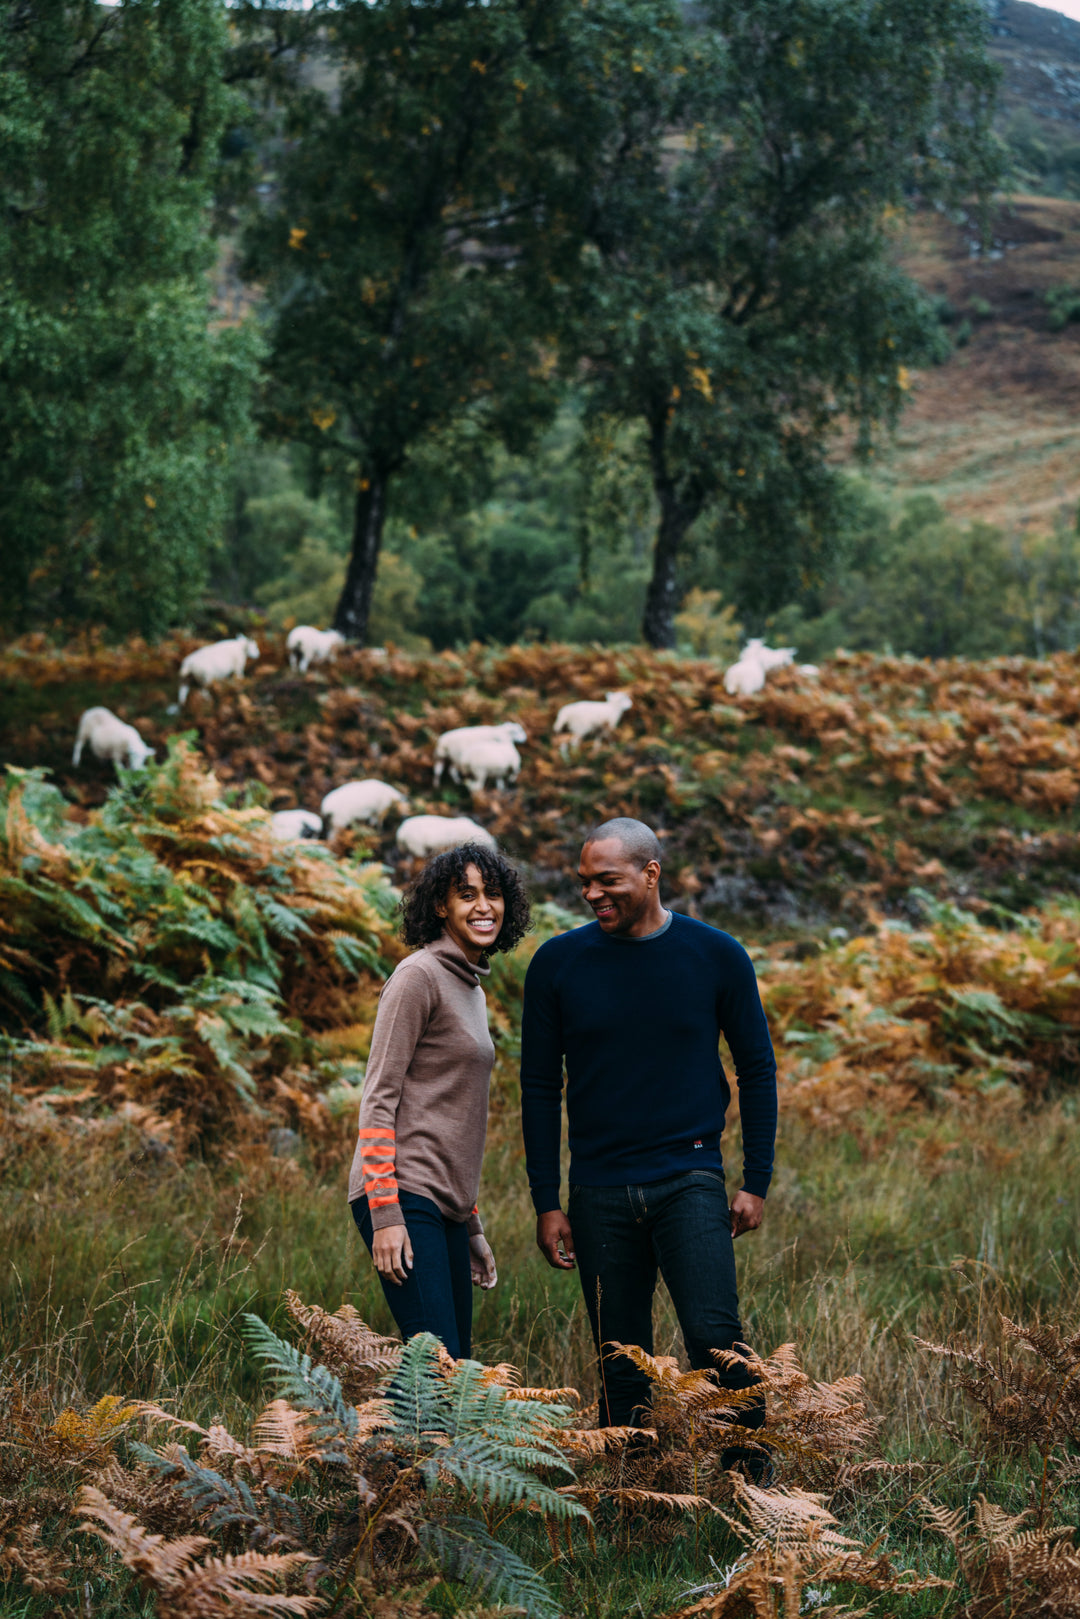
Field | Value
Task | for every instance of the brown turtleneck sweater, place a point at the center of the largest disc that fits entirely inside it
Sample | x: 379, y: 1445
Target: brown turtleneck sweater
x: 423, y: 1116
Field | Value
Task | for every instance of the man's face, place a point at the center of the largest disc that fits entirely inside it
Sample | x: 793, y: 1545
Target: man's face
x: 619, y: 891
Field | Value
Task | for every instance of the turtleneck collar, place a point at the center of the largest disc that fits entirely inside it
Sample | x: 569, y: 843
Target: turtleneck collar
x: 456, y: 961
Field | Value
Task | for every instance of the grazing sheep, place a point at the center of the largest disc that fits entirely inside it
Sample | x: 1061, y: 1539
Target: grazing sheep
x: 112, y: 738
x: 359, y: 801
x: 290, y: 826
x: 454, y: 749
x: 496, y: 760
x: 424, y: 835
x: 747, y: 676
x: 744, y: 678
x: 770, y: 657
x: 307, y: 645
x: 218, y: 661
x: 586, y: 718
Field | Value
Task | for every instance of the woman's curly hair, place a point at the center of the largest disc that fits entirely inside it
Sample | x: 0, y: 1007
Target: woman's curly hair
x: 420, y: 919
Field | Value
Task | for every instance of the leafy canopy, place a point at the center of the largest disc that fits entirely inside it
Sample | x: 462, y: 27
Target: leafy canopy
x: 742, y: 297
x: 116, y: 400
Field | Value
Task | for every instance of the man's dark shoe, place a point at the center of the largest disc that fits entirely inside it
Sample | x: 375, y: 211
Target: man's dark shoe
x: 756, y: 1466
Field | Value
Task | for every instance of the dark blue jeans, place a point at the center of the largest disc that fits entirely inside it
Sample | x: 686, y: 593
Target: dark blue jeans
x: 436, y: 1296
x: 623, y: 1235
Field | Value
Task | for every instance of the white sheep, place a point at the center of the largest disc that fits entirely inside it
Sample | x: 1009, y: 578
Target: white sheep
x: 454, y: 749
x: 110, y: 737
x: 744, y: 678
x: 586, y: 718
x: 219, y: 661
x: 495, y: 760
x: 289, y: 826
x: 424, y: 835
x: 307, y: 645
x: 367, y: 801
x: 747, y: 676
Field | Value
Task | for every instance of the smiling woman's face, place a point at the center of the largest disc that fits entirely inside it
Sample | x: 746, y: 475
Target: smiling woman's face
x: 473, y: 915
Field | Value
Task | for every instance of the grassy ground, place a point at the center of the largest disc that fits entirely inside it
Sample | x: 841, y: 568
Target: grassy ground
x: 928, y: 1156
x: 127, y: 1277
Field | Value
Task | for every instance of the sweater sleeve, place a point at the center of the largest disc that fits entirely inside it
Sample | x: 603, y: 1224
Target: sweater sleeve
x: 744, y: 1027
x: 541, y: 1081
x: 404, y: 1009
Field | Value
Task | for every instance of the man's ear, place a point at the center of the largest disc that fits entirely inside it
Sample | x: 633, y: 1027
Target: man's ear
x: 652, y: 872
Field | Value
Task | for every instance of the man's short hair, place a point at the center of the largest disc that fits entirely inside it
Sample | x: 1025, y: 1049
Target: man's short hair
x: 639, y: 842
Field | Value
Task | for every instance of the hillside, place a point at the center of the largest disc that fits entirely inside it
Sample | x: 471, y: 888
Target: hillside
x: 994, y: 433
x: 817, y: 803
x: 1038, y: 51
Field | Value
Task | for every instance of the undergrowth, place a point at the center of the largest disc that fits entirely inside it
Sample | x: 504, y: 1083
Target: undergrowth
x: 813, y: 802
x: 185, y: 1011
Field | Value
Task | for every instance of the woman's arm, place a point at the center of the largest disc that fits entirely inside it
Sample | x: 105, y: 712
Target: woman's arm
x: 404, y: 1010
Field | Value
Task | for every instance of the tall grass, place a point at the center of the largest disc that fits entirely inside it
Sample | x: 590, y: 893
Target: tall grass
x: 125, y: 1274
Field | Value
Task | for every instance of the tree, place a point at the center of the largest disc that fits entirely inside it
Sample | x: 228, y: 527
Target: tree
x: 744, y: 300
x: 425, y: 228
x: 117, y: 400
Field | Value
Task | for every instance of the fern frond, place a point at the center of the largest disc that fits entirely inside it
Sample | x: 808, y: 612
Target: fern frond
x: 465, y: 1552
x: 212, y: 1496
x: 498, y: 1476
x: 243, y: 1585
x: 586, y: 1442
x: 160, y: 1561
x: 311, y: 1387
x: 633, y: 1496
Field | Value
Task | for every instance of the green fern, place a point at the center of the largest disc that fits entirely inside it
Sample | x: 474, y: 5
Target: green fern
x: 495, y: 1443
x: 460, y: 1435
x: 308, y: 1386
x: 465, y: 1551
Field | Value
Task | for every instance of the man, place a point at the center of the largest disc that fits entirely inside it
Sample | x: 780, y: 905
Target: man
x: 636, y: 1003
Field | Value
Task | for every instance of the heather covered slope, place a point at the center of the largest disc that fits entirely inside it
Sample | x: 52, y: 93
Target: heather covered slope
x: 896, y: 841
x: 815, y: 804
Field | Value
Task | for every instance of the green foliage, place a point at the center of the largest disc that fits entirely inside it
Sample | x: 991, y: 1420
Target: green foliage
x: 555, y: 550
x: 271, y: 518
x: 309, y: 1387
x: 117, y: 402
x: 921, y: 583
x: 742, y: 293
x: 192, y: 918
x: 1064, y: 306
x: 402, y: 234
x: 1042, y: 155
x: 707, y: 626
x: 460, y: 1435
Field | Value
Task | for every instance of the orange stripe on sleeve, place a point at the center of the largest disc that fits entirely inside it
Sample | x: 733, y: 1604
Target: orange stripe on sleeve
x: 378, y: 1147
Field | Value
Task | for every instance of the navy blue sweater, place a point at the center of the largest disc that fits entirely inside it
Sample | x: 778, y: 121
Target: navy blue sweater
x: 639, y: 1024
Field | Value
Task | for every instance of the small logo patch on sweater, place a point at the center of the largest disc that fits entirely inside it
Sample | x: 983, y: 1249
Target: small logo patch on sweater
x: 697, y: 1143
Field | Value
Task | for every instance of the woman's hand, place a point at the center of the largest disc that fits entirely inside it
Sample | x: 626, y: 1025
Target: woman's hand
x: 392, y: 1252
x: 482, y: 1262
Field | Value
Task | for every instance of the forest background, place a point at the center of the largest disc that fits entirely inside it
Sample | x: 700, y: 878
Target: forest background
x: 160, y: 472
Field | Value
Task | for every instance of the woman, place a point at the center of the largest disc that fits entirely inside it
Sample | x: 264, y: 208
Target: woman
x: 423, y: 1118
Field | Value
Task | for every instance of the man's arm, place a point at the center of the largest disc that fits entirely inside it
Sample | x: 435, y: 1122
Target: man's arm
x: 541, y: 1108
x: 744, y: 1027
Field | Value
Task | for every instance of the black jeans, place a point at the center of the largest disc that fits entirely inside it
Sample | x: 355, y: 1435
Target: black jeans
x: 436, y: 1296
x: 622, y: 1236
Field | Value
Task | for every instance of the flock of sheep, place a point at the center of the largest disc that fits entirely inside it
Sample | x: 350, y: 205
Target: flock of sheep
x: 477, y: 755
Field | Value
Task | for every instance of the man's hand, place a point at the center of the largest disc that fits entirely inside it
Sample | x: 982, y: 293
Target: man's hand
x: 482, y: 1262
x: 555, y: 1239
x: 747, y: 1213
x: 392, y: 1252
